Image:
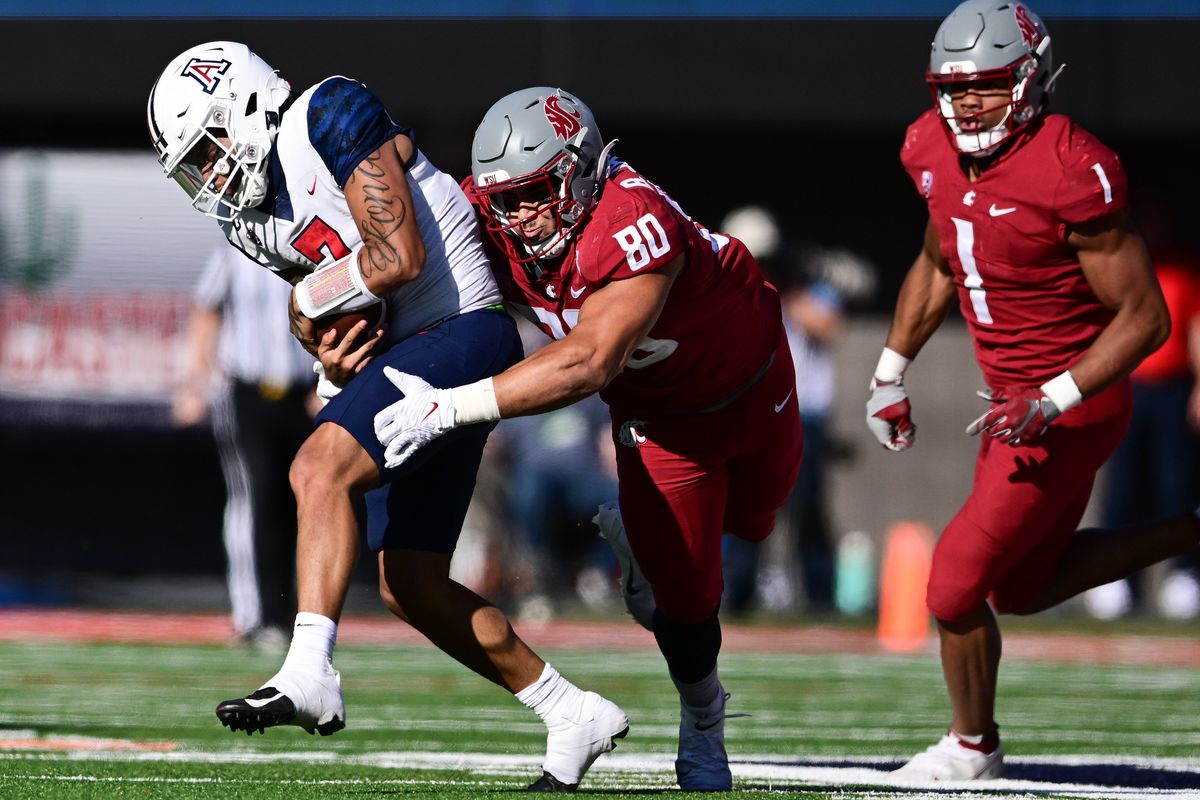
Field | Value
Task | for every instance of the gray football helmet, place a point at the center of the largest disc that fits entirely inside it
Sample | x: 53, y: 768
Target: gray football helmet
x: 986, y: 40
x: 537, y: 145
x: 211, y: 90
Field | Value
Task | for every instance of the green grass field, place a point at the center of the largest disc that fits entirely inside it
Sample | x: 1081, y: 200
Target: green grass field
x: 136, y: 721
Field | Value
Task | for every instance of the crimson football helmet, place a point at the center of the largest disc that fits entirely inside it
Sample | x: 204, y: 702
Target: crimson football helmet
x: 213, y: 90
x: 537, y: 145
x: 991, y: 40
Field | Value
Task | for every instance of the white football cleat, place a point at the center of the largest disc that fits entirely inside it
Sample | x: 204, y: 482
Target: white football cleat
x: 702, y: 764
x: 577, y: 739
x: 635, y: 589
x: 949, y: 760
x: 312, y: 701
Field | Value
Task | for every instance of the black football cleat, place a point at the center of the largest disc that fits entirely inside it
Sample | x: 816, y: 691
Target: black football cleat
x: 267, y: 708
x: 549, y: 783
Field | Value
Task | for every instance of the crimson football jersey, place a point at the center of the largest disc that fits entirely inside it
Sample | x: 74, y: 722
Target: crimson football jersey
x: 1020, y: 286
x: 721, y: 321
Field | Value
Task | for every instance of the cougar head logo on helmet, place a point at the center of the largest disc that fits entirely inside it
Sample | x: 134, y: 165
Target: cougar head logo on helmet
x: 991, y: 40
x: 210, y: 93
x: 537, y: 150
x: 565, y: 121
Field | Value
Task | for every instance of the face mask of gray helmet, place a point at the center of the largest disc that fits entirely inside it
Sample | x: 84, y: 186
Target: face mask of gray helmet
x: 999, y: 42
x: 537, y: 150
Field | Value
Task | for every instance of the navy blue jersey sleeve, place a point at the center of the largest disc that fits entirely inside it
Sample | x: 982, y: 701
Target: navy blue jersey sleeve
x: 346, y: 123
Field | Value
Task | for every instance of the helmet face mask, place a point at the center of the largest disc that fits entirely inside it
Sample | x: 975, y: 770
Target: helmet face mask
x: 508, y: 204
x: 217, y: 94
x: 988, y: 45
x: 537, y: 152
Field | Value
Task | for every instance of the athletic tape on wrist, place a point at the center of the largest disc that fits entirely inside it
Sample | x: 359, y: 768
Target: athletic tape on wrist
x: 1063, y: 391
x: 891, y: 366
x: 336, y: 288
x: 475, y: 402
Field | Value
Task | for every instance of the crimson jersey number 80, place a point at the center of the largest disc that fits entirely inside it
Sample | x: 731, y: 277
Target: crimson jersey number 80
x: 643, y: 241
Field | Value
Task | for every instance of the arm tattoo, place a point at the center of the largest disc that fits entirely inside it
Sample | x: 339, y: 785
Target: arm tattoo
x: 385, y: 214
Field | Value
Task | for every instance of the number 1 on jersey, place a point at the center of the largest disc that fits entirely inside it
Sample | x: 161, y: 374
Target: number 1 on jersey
x: 974, y: 281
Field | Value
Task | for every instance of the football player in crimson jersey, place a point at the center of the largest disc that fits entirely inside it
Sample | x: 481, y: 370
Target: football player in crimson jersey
x: 1029, y: 230
x: 677, y: 330
x: 326, y: 190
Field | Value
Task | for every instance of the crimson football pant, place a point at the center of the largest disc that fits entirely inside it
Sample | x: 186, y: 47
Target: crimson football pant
x: 1025, y: 505
x: 685, y: 480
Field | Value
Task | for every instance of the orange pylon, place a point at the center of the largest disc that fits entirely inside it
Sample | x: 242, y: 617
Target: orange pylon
x: 903, y: 616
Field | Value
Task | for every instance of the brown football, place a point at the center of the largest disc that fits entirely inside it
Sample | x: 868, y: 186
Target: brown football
x: 342, y: 323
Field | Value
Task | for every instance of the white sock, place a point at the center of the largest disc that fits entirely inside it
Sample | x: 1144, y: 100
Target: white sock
x: 552, y: 696
x: 702, y: 694
x: 313, y: 637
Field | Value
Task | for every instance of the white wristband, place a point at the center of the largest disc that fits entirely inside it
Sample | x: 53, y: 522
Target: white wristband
x: 1063, y: 391
x: 891, y: 366
x: 336, y: 288
x: 475, y: 402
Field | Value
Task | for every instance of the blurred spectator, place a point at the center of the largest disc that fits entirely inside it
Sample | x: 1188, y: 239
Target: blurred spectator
x: 255, y: 381
x: 561, y: 467
x: 814, y: 284
x: 1153, y: 472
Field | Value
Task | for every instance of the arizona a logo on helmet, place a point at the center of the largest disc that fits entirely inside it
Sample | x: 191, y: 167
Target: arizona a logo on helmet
x: 563, y: 118
x: 206, y: 71
x: 1030, y: 28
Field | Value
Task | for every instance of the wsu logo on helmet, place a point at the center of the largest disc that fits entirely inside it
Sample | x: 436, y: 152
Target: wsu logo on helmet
x: 564, y: 119
x: 206, y: 71
x: 1031, y: 32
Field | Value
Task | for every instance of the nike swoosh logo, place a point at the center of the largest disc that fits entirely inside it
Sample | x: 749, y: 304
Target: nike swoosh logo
x: 433, y: 408
x: 260, y: 703
x: 576, y: 293
x: 710, y: 725
x: 779, y: 406
x: 1000, y: 212
x: 313, y: 188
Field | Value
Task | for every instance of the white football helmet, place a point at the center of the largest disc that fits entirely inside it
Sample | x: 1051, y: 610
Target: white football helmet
x: 213, y: 91
x: 989, y: 40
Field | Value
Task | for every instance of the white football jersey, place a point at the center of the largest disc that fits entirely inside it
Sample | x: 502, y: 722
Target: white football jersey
x: 305, y: 222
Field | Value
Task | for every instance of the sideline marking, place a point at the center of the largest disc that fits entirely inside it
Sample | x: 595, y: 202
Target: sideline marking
x: 849, y: 776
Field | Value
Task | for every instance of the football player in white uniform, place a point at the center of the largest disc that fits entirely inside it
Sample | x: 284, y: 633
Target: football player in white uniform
x: 327, y: 191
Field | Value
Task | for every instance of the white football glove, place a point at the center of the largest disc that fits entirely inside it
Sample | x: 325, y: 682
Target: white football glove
x: 326, y: 389
x: 889, y: 415
x: 415, y: 420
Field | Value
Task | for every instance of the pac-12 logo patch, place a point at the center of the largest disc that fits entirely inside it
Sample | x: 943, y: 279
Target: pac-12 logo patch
x: 926, y: 182
x: 207, y: 72
x: 563, y: 118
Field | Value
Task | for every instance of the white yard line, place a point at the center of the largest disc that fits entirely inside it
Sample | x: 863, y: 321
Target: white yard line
x: 766, y: 772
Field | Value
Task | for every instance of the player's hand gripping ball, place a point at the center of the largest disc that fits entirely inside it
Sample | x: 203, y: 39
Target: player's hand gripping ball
x: 343, y: 323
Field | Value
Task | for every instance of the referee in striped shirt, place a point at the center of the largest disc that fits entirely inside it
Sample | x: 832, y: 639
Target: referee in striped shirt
x: 255, y: 381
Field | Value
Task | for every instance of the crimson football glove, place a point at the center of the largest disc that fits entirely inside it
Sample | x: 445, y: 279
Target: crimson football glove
x: 889, y: 414
x: 1018, y: 417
